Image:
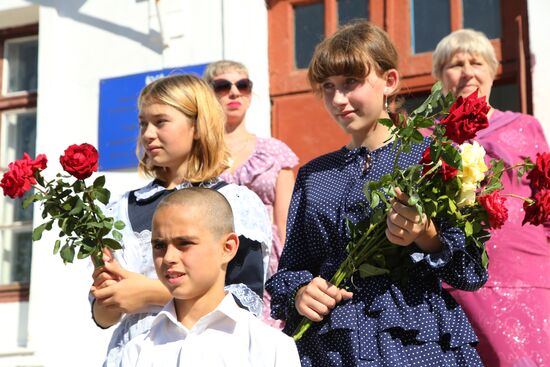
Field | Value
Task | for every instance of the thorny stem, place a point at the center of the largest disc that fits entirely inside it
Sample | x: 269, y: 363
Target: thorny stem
x: 435, y: 167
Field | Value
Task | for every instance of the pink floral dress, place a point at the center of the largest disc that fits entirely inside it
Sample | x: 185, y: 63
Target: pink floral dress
x: 259, y: 173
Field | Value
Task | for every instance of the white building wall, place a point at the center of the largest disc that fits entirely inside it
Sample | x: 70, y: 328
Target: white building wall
x: 538, y: 11
x: 80, y: 43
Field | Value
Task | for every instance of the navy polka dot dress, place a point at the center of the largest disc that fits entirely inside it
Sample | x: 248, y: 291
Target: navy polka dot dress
x: 384, y: 324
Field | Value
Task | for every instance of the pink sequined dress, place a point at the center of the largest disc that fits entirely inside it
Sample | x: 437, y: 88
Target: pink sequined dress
x: 259, y: 173
x: 511, y: 313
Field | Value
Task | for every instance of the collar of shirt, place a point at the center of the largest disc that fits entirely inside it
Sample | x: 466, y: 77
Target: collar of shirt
x: 154, y: 187
x: 227, y: 309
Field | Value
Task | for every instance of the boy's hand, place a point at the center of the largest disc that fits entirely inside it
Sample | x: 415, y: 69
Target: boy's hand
x: 405, y: 226
x: 316, y: 299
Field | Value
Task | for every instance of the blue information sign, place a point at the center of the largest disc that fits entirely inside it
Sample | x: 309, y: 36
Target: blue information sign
x: 118, y: 115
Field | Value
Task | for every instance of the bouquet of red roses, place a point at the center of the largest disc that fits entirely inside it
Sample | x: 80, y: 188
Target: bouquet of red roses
x: 451, y: 182
x: 70, y: 206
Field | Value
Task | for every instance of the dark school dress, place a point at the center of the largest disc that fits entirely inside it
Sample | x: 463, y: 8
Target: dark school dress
x: 384, y: 324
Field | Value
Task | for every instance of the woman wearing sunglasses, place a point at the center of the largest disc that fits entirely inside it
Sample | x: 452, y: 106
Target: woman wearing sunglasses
x: 264, y: 165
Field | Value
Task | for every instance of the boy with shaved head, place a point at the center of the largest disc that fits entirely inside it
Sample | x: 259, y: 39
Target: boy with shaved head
x: 193, y: 240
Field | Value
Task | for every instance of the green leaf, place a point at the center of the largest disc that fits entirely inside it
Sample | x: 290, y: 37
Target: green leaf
x: 375, y: 200
x: 452, y: 205
x: 101, y: 194
x: 367, y: 270
x: 406, y: 132
x: 84, y: 250
x: 451, y: 156
x: 417, y: 137
x: 37, y: 232
x: 413, y: 199
x: 117, y: 235
x: 386, y: 122
x: 99, y: 182
x: 112, y: 244
x: 29, y: 200
x: 119, y: 225
x: 56, y: 246
x: 423, y: 123
x: 67, y: 253
x: 78, y: 205
x: 79, y: 186
x: 437, y: 87
x: 468, y: 229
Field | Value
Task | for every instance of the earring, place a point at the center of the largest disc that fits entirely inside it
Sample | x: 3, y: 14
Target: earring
x: 386, y: 105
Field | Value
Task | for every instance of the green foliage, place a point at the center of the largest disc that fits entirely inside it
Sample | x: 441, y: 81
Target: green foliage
x: 84, y: 229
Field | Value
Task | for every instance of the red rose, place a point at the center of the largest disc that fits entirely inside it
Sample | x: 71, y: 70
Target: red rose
x: 447, y: 172
x: 494, y: 205
x: 39, y: 163
x: 466, y: 117
x: 540, y: 174
x: 20, y: 176
x: 539, y: 211
x: 80, y: 160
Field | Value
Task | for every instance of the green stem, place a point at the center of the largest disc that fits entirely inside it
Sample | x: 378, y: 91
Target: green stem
x: 97, y: 253
x: 367, y: 245
x: 431, y: 170
x: 519, y: 197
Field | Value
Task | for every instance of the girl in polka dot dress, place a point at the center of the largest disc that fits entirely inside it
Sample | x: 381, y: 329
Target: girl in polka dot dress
x: 373, y: 321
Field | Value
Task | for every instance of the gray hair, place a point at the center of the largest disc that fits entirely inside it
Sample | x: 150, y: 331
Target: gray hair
x: 463, y: 40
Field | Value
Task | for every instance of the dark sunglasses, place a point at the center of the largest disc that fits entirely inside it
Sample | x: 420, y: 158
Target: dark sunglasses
x: 224, y: 85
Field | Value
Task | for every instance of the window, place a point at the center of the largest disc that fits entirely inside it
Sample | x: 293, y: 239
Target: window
x: 483, y: 16
x: 425, y: 35
x: 352, y: 9
x: 18, y: 77
x: 297, y: 26
x: 309, y: 30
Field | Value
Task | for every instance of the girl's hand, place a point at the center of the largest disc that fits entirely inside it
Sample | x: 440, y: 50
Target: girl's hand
x: 103, y: 278
x: 316, y: 299
x: 405, y: 226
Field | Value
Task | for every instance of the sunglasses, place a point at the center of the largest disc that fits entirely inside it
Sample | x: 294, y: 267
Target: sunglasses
x: 224, y: 85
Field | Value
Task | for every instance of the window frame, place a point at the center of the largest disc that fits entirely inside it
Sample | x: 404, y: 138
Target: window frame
x: 415, y: 69
x: 21, y: 100
x: 281, y: 35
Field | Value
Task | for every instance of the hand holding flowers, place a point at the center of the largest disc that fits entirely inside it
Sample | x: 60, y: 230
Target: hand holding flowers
x: 71, y: 206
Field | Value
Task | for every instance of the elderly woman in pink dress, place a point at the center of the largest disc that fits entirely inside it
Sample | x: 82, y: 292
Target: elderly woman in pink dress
x: 511, y: 313
x: 264, y: 165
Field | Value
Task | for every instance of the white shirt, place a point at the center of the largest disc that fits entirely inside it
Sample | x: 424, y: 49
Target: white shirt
x: 228, y: 336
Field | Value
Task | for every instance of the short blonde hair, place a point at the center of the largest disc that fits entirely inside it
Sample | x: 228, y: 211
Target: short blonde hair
x: 463, y: 40
x: 353, y: 50
x: 218, y: 67
x: 195, y: 99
